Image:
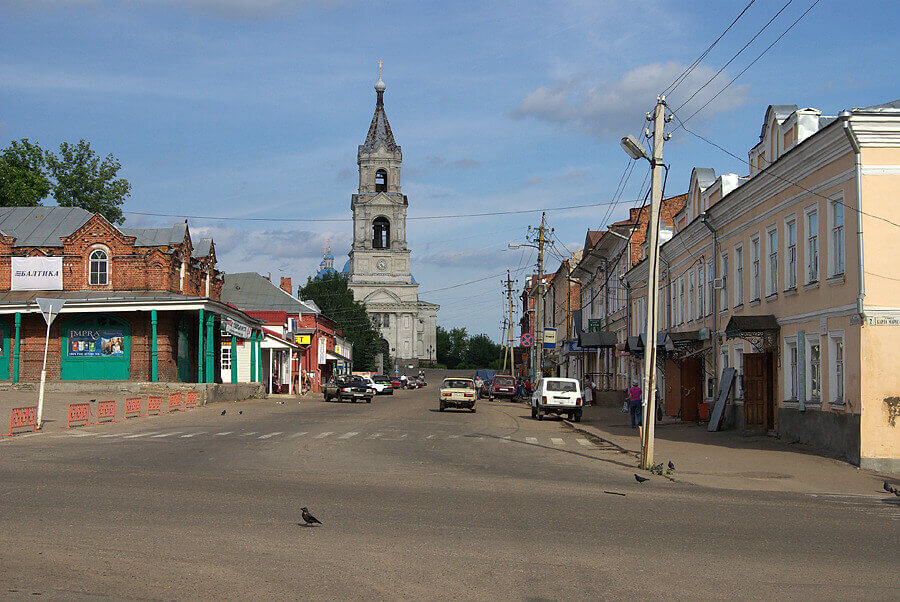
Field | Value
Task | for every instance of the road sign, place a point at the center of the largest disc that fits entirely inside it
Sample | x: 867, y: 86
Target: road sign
x: 549, y: 338
x: 526, y: 339
x: 50, y: 308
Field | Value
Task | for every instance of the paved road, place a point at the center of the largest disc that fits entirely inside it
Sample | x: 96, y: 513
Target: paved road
x: 416, y: 504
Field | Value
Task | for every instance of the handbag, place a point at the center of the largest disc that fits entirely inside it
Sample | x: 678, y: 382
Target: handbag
x: 625, y: 407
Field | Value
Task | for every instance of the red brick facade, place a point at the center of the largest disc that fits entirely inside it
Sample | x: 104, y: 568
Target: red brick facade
x: 640, y: 217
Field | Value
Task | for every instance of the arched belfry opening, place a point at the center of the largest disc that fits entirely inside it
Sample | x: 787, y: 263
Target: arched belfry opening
x: 381, y: 233
x: 381, y: 181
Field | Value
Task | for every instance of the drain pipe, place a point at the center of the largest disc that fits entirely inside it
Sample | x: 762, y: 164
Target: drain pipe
x: 854, y: 142
x: 704, y: 217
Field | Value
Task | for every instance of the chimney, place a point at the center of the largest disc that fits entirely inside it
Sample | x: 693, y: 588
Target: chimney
x: 286, y: 285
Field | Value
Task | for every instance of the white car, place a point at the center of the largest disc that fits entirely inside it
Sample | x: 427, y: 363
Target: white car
x: 558, y: 396
x: 380, y: 387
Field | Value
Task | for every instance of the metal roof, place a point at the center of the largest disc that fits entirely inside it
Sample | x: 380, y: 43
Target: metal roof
x: 888, y: 107
x: 41, y: 226
x: 248, y: 291
x: 203, y: 248
x: 741, y: 325
x: 379, y: 134
x: 26, y: 296
x: 158, y: 237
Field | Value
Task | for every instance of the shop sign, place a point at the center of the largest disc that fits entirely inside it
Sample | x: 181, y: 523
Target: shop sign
x: 549, y: 338
x: 882, y: 320
x: 322, y: 350
x: 36, y: 274
x: 237, y: 328
x: 594, y: 326
x: 302, y: 339
x: 96, y: 343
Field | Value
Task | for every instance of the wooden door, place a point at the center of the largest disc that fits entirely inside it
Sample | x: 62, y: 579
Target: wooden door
x: 691, y: 388
x: 673, y: 388
x: 757, y: 391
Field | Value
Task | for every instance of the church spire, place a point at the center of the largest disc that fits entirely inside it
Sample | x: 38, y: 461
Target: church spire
x: 379, y: 130
x: 379, y: 87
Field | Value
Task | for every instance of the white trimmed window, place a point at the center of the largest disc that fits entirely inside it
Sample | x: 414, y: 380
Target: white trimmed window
x: 793, y: 370
x: 772, y: 273
x: 724, y: 292
x: 791, y: 260
x: 710, y: 288
x: 99, y: 267
x: 739, y: 377
x: 814, y: 374
x: 701, y: 292
x: 836, y: 250
x: 812, y: 246
x: 836, y: 362
x: 738, y: 275
x: 226, y: 357
x: 690, y: 299
x: 754, y: 269
x: 681, y: 312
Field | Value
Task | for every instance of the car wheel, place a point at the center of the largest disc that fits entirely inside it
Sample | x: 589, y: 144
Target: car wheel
x: 540, y: 414
x: 442, y: 407
x: 578, y: 416
x: 533, y: 412
x: 327, y: 399
x: 473, y: 409
x: 368, y: 400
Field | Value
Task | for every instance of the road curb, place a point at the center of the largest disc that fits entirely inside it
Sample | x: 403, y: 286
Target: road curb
x: 594, y: 432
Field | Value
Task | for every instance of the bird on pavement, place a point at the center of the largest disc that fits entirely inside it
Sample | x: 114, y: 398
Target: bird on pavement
x: 240, y: 411
x: 888, y: 488
x: 671, y: 466
x: 223, y: 413
x: 640, y: 479
x: 308, y: 518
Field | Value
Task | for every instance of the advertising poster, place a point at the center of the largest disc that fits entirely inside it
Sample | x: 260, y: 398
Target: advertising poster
x: 322, y: 350
x: 36, y: 274
x: 96, y: 343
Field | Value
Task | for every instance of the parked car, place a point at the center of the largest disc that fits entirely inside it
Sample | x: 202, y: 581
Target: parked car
x: 351, y: 388
x: 502, y: 387
x: 396, y: 383
x: 383, y: 384
x: 557, y: 396
x: 420, y: 382
x: 457, y: 393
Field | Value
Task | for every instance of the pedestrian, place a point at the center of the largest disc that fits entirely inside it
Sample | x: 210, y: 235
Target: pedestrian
x: 588, y: 391
x: 479, y: 384
x: 635, y: 404
x: 404, y: 381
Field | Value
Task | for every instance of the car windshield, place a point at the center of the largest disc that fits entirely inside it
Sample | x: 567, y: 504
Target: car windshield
x: 505, y: 381
x: 561, y: 386
x: 458, y: 384
x: 357, y: 380
x: 381, y: 379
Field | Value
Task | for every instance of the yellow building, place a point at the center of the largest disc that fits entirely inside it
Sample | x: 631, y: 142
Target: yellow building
x: 789, y: 275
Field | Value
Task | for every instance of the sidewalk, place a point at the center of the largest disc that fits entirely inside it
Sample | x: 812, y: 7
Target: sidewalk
x: 730, y: 460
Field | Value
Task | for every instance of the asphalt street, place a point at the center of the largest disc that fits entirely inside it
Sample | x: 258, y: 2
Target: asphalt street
x: 415, y: 503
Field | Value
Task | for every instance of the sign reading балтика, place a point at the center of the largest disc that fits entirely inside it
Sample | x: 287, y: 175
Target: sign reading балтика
x: 36, y: 274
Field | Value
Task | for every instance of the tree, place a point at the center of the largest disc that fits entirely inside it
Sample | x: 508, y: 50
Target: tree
x: 442, y: 343
x: 481, y: 351
x: 23, y: 182
x: 331, y: 293
x: 81, y: 179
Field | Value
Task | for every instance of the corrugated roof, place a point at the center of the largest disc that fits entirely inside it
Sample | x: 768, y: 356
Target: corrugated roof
x: 887, y: 107
x: 203, y: 248
x: 41, y: 226
x: 158, y: 237
x: 24, y: 296
x: 248, y: 291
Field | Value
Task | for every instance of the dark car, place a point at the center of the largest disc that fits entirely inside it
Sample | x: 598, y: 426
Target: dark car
x: 387, y: 381
x: 352, y: 388
x: 502, y: 387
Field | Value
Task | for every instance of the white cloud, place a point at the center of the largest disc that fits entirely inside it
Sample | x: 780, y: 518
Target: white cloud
x: 610, y: 109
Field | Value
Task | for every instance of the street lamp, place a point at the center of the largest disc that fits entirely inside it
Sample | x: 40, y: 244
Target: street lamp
x: 633, y: 148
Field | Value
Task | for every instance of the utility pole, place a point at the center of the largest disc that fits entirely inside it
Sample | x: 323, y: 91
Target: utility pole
x: 510, y: 335
x: 539, y: 238
x: 659, y: 121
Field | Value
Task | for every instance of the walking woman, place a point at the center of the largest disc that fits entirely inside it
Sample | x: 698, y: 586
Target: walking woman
x: 636, y: 403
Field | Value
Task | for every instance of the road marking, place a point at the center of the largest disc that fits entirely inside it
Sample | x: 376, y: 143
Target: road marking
x: 160, y: 436
x: 136, y: 435
x: 404, y: 435
x: 81, y: 434
x: 300, y: 434
x: 348, y: 435
x: 250, y: 433
x: 557, y: 441
x: 270, y: 435
x: 584, y: 442
x: 110, y: 435
x: 223, y: 433
x: 374, y: 435
x: 430, y: 437
x: 505, y: 439
x: 323, y: 435
x: 531, y: 439
x: 189, y: 435
x: 453, y: 437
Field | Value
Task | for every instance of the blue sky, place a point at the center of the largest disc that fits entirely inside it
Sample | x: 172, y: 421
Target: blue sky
x: 254, y: 109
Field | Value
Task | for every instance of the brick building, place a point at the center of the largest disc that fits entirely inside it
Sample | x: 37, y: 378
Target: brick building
x: 141, y: 304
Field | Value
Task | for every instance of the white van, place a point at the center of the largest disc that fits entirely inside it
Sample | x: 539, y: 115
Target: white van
x: 558, y: 396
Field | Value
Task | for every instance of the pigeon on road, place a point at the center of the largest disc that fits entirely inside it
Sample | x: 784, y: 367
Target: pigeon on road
x: 240, y: 411
x: 671, y: 466
x: 308, y: 518
x: 223, y: 413
x: 640, y: 479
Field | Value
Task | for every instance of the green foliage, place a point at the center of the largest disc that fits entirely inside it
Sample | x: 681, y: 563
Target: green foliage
x: 458, y: 351
x: 335, y: 299
x: 81, y: 179
x: 23, y: 182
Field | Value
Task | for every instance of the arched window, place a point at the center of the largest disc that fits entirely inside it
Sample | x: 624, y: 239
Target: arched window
x: 99, y: 267
x: 381, y: 233
x: 380, y: 181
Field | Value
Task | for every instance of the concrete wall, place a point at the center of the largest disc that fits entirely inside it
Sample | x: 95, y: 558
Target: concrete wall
x: 209, y: 393
x: 831, y: 431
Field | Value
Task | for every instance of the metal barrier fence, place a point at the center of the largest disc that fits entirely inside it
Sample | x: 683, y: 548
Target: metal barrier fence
x: 133, y: 407
x: 174, y: 402
x: 78, y: 413
x: 190, y: 399
x: 154, y: 405
x: 22, y: 418
x: 106, y: 411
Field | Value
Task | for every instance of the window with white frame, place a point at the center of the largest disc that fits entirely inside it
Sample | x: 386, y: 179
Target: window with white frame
x: 836, y: 362
x: 814, y: 376
x: 836, y: 252
x: 739, y: 377
x: 793, y: 371
x: 691, y: 293
x: 710, y: 287
x: 772, y: 272
x: 673, y: 307
x: 791, y: 261
x: 681, y: 300
x: 725, y: 364
x: 812, y: 246
x: 701, y: 292
x: 738, y: 275
x: 99, y: 267
x: 724, y: 292
x: 226, y: 357
x: 754, y: 269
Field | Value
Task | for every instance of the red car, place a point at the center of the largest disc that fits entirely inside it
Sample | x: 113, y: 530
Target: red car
x: 502, y: 386
x: 395, y: 383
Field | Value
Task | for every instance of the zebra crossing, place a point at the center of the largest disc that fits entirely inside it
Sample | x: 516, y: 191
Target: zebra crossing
x: 571, y: 442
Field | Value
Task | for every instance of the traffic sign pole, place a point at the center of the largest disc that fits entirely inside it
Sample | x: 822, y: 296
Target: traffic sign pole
x: 50, y: 308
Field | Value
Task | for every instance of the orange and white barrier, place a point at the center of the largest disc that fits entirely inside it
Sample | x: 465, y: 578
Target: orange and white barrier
x: 174, y: 402
x: 154, y: 405
x: 106, y: 411
x: 22, y: 418
x: 190, y: 399
x: 79, y: 414
x: 133, y: 407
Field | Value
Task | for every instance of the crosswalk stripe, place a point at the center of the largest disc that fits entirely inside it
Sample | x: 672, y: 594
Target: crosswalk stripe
x: 223, y: 433
x: 270, y: 435
x: 374, y: 435
x: 161, y: 435
x: 557, y: 441
x: 250, y: 433
x: 136, y: 435
x: 189, y: 435
x: 430, y: 437
x: 453, y: 437
x: 110, y: 435
x: 300, y: 434
x: 531, y: 439
x: 81, y: 434
x: 323, y: 435
x: 347, y: 435
x: 583, y: 442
